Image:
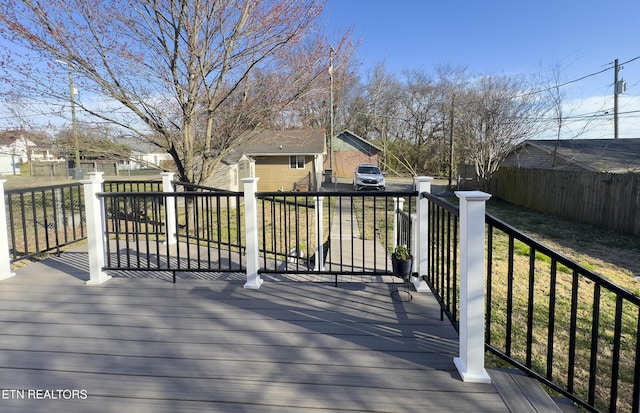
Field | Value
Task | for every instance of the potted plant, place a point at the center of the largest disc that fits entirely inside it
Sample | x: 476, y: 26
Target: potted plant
x: 401, y: 262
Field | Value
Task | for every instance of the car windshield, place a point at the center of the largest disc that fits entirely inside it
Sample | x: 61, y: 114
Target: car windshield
x: 369, y: 170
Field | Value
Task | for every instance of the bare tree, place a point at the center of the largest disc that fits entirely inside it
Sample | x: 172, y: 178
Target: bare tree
x: 193, y: 74
x: 555, y: 95
x: 498, y: 113
x: 407, y: 116
x: 372, y: 110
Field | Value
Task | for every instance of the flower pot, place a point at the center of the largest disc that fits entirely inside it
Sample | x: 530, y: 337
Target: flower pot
x: 401, y: 268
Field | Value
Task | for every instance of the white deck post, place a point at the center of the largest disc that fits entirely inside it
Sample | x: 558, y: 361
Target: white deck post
x: 5, y: 259
x: 398, y: 205
x: 95, y: 230
x: 170, y: 207
x: 421, y: 253
x: 319, y: 264
x: 470, y: 364
x: 251, y: 226
x: 414, y: 241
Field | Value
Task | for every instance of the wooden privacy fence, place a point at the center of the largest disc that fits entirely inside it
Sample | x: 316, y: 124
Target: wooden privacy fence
x: 49, y: 168
x: 60, y: 168
x: 602, y: 199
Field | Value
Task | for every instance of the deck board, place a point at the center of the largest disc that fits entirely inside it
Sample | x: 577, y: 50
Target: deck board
x: 148, y: 345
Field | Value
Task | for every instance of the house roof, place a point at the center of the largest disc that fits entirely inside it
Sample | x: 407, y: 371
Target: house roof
x: 360, y: 143
x: 602, y: 155
x: 8, y: 137
x: 284, y: 142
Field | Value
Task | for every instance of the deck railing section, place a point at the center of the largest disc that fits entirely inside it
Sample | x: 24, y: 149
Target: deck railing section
x: 140, y: 238
x: 555, y: 319
x: 560, y: 322
x: 44, y: 219
x: 132, y: 186
x: 289, y: 239
x: 210, y: 217
x: 135, y: 229
x: 331, y: 233
x: 443, y: 245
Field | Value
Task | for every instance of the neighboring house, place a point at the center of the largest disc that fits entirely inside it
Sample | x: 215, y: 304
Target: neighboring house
x: 597, y: 155
x: 283, y: 160
x: 286, y: 160
x: 348, y: 151
x: 14, y: 149
x: 229, y: 173
x: 45, y: 153
x: 595, y: 181
x: 144, y: 155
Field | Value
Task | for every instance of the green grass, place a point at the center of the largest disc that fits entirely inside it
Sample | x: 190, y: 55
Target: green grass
x: 611, y: 255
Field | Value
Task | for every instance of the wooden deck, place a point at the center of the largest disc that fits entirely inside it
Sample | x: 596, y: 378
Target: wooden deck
x: 147, y: 345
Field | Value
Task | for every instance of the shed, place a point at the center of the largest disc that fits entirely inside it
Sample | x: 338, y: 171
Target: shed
x: 349, y: 150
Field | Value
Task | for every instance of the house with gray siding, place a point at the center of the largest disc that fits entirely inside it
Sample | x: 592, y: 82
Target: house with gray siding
x: 596, y: 155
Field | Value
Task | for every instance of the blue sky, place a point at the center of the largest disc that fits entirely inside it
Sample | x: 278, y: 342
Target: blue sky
x: 494, y: 36
x: 504, y: 37
x: 508, y: 37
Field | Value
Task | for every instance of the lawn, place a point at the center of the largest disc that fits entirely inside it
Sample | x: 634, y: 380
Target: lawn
x: 607, y: 253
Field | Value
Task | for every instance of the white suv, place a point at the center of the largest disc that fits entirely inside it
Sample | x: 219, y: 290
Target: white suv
x: 368, y: 176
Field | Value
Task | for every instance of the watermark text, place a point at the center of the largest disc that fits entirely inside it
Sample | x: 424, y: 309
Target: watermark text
x: 43, y: 394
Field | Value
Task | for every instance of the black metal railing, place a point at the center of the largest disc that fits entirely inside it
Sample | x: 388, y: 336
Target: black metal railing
x: 123, y: 185
x: 136, y: 226
x: 289, y: 237
x: 187, y: 187
x: 404, y: 235
x: 135, y: 230
x: 560, y: 322
x: 211, y: 217
x: 357, y: 232
x: 44, y: 219
x: 443, y: 265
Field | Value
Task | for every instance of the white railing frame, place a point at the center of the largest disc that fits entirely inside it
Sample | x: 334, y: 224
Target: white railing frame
x: 319, y: 264
x: 5, y: 258
x: 252, y: 249
x: 470, y: 363
x: 421, y: 233
x: 170, y: 208
x: 398, y: 208
x: 95, y: 228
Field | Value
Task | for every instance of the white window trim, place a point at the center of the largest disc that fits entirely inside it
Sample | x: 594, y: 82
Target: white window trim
x: 297, y: 163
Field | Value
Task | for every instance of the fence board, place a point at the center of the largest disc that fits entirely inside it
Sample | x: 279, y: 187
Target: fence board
x: 602, y: 199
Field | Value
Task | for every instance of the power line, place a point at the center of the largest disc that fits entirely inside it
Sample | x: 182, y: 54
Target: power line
x: 581, y: 78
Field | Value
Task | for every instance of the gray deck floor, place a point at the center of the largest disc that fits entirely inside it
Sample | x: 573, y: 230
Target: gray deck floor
x: 147, y: 345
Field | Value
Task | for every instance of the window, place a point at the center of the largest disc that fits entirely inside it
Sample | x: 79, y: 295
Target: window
x: 296, y: 162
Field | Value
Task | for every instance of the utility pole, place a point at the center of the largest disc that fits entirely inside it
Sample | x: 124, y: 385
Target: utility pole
x: 615, y: 99
x: 74, y: 128
x: 618, y: 88
x: 331, y: 53
x: 453, y: 96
